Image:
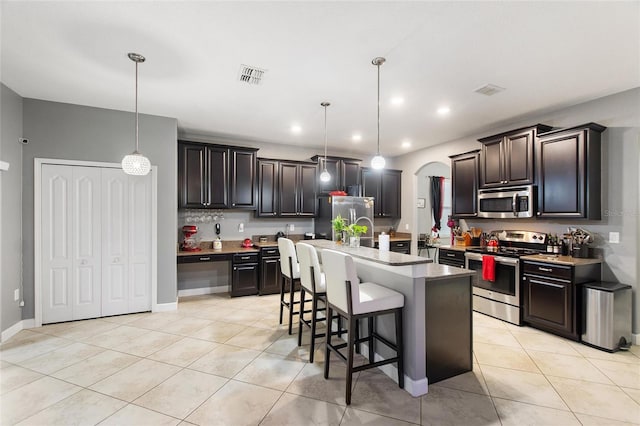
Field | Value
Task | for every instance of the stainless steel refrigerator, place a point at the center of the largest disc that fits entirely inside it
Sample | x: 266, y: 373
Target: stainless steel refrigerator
x: 357, y: 210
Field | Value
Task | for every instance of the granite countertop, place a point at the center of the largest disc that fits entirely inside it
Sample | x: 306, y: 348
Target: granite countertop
x: 562, y: 260
x: 228, y: 247
x: 374, y: 255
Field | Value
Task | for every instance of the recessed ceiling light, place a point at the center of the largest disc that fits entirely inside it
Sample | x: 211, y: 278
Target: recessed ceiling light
x: 296, y: 129
x: 444, y: 110
x: 406, y: 144
x: 398, y: 100
x: 357, y: 137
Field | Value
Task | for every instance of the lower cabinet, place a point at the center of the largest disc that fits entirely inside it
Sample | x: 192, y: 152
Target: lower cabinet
x: 244, y: 274
x: 270, y: 273
x: 403, y: 247
x: 451, y: 257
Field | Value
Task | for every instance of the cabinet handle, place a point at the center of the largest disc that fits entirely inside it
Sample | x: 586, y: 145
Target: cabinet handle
x: 451, y: 255
x: 245, y: 257
x: 540, y: 268
x: 546, y: 284
x: 204, y: 259
x: 399, y: 245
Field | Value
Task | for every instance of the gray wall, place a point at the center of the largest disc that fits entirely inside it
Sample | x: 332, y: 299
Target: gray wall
x: 620, y: 183
x: 64, y: 131
x: 10, y: 207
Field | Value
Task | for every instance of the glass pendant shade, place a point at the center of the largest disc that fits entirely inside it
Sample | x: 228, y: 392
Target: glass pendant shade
x: 136, y: 164
x: 325, y: 176
x: 377, y: 162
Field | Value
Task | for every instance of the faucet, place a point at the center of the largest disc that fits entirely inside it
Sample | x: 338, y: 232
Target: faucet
x: 370, y: 227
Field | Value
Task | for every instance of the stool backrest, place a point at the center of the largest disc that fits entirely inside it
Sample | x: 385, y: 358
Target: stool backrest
x: 338, y: 269
x: 308, y: 258
x: 288, y: 250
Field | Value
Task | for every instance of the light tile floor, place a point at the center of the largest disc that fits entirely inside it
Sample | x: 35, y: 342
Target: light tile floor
x: 222, y: 361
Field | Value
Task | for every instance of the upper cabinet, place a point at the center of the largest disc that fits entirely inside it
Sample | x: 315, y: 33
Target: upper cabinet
x: 507, y: 158
x: 568, y: 165
x: 286, y: 188
x: 216, y: 176
x: 344, y: 172
x: 464, y: 184
x: 385, y: 186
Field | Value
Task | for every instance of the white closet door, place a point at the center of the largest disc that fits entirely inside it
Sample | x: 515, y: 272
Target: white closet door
x: 115, y: 250
x: 86, y: 233
x: 139, y: 243
x: 57, y: 257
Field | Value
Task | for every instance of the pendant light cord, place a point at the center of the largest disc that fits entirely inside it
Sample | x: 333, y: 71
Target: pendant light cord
x: 136, y: 106
x: 378, y: 153
x: 325, y: 137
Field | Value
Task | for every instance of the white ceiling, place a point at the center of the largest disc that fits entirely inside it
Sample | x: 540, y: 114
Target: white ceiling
x: 547, y: 55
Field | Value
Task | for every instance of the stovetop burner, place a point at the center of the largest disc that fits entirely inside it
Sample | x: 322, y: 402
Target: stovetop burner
x: 515, y: 244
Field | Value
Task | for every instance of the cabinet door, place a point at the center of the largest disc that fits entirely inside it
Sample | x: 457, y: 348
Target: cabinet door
x: 390, y: 193
x: 371, y: 182
x: 518, y: 161
x: 245, y: 279
x: 492, y: 162
x: 217, y: 178
x: 139, y: 242
x: 270, y: 276
x: 548, y: 303
x: 267, y: 188
x: 192, y: 176
x: 336, y: 179
x: 464, y: 185
x: 243, y: 179
x: 307, y: 190
x: 288, y: 189
x: 350, y: 173
x: 561, y: 178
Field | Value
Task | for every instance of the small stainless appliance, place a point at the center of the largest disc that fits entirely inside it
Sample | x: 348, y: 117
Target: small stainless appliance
x: 501, y: 297
x: 506, y: 203
x: 357, y: 210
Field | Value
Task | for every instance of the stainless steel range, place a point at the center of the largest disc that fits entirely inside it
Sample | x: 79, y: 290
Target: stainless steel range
x: 500, y: 297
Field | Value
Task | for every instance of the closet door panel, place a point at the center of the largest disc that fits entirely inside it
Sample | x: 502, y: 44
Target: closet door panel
x: 56, y: 256
x: 139, y: 243
x: 115, y: 228
x: 86, y: 233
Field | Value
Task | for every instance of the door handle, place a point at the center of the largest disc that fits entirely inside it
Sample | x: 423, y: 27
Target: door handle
x: 116, y: 260
x: 204, y: 259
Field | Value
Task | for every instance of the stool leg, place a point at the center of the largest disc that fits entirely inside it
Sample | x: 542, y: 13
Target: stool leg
x: 292, y: 288
x: 371, y: 331
x: 400, y: 348
x: 281, y: 297
x: 350, y: 346
x: 357, y: 333
x: 314, y: 311
x: 301, y: 318
x: 327, y: 351
x: 339, y: 326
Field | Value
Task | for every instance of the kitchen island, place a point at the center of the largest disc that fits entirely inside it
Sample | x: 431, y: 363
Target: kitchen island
x: 437, y: 312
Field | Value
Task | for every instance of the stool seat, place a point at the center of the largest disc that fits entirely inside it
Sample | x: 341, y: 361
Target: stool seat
x: 374, y: 297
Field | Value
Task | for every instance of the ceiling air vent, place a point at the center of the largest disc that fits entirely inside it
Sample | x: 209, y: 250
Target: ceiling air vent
x: 251, y: 75
x: 489, y: 89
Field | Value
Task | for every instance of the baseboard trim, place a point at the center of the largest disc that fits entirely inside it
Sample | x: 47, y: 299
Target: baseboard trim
x: 16, y: 328
x: 165, y: 307
x: 203, y: 290
x: 635, y: 337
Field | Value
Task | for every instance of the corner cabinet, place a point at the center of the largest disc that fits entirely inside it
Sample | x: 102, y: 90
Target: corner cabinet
x: 344, y: 172
x: 507, y: 158
x: 464, y: 184
x: 385, y: 186
x: 568, y: 174
x: 286, y: 188
x: 216, y: 176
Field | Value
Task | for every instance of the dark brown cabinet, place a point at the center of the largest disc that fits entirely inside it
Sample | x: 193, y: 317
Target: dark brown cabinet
x: 507, y: 158
x: 270, y: 273
x: 385, y: 186
x: 344, y: 172
x: 464, y: 184
x: 286, y: 188
x: 568, y: 173
x: 403, y: 247
x: 244, y: 279
x: 552, y: 296
x: 216, y: 176
x: 451, y: 257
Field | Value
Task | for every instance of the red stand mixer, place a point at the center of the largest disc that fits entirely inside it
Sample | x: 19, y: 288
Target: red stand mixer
x: 189, y: 243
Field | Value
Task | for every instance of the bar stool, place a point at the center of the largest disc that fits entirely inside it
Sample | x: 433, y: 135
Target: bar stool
x: 290, y: 269
x: 313, y: 283
x: 353, y: 302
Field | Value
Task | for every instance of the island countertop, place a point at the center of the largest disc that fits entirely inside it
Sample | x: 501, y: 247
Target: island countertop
x: 374, y: 255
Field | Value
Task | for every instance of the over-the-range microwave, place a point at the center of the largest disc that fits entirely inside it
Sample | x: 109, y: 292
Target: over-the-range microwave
x: 506, y: 203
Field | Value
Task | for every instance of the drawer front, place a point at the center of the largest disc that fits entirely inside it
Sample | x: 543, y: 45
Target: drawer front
x: 404, y: 245
x: 245, y: 258
x: 547, y: 270
x: 447, y: 257
x: 269, y: 252
x: 202, y: 258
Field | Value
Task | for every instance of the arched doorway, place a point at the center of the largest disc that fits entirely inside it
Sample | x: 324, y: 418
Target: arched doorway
x: 424, y: 216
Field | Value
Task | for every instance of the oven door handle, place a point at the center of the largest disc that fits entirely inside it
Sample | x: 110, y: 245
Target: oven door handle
x: 499, y: 259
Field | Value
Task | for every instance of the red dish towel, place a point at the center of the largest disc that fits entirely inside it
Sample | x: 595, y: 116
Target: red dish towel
x: 488, y: 268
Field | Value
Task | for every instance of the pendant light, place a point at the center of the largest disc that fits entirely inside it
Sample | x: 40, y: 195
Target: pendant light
x: 377, y: 162
x: 325, y: 176
x: 136, y: 163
